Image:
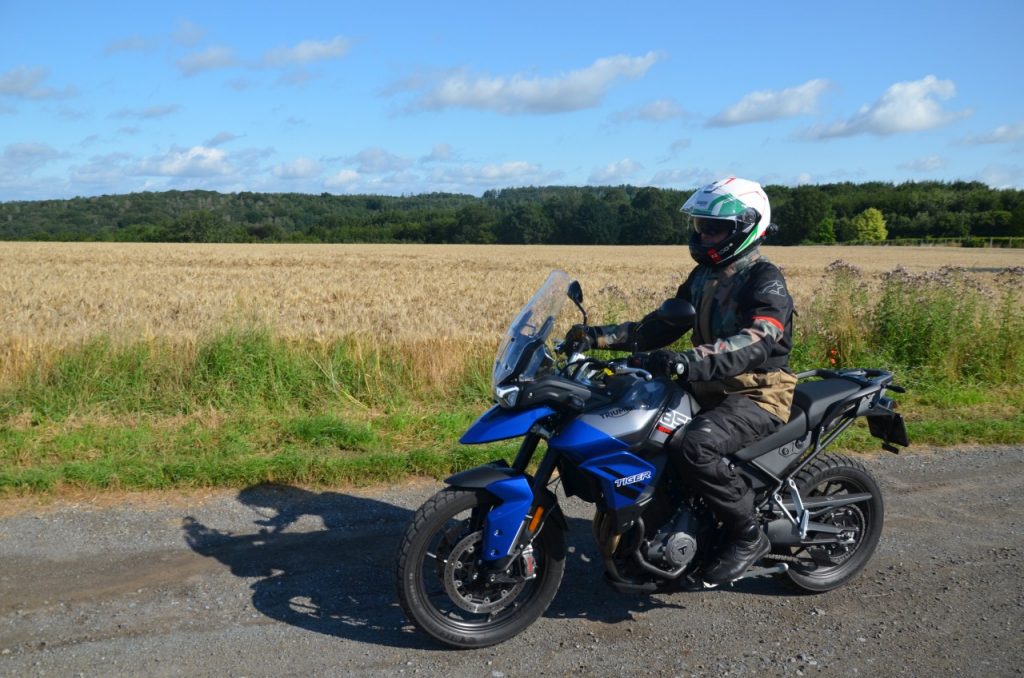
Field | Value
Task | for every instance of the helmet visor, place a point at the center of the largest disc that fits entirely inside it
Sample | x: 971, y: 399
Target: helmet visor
x: 711, y: 226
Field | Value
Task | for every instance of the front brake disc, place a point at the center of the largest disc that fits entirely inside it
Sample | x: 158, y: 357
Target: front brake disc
x: 463, y: 584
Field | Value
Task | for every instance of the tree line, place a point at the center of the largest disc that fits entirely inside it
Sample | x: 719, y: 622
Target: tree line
x: 828, y: 213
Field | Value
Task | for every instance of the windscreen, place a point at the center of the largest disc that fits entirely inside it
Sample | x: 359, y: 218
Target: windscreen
x: 533, y: 323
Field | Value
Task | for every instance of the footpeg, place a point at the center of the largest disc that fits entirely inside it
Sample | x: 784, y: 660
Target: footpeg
x: 764, y: 571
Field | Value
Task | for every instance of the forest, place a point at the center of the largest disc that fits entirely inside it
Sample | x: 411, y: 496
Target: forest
x: 968, y: 213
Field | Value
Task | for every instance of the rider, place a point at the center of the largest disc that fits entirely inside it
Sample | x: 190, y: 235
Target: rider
x: 739, y: 367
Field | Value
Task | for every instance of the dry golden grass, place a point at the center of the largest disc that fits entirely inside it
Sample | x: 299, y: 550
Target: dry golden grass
x: 59, y: 294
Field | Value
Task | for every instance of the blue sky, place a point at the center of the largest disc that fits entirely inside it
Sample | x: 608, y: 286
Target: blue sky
x: 405, y: 98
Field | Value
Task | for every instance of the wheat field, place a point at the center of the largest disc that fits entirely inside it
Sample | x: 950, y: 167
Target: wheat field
x: 54, y: 295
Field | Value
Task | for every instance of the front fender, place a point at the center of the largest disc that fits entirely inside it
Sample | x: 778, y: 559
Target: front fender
x: 512, y: 489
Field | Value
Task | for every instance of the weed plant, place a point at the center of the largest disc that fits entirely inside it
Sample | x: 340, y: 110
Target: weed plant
x: 941, y: 327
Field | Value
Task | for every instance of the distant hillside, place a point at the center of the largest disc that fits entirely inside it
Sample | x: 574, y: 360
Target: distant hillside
x: 551, y: 214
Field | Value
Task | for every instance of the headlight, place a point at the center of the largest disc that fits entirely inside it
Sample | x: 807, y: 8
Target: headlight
x: 507, y: 395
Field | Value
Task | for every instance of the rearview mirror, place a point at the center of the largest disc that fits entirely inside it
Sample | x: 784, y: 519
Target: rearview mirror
x: 576, y: 292
x: 677, y: 313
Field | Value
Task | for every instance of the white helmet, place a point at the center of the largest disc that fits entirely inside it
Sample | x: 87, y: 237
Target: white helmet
x: 737, y: 207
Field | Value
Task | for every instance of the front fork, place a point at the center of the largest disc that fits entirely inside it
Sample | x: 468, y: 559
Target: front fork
x: 525, y: 504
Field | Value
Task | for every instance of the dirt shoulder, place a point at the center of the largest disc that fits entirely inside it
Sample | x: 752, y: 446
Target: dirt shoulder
x: 275, y: 580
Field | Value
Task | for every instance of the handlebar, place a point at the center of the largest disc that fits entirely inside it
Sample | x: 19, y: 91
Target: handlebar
x: 617, y: 367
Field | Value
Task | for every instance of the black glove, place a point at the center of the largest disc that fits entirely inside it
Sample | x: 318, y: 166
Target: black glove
x: 638, y: 360
x: 665, y: 362
x: 580, y: 338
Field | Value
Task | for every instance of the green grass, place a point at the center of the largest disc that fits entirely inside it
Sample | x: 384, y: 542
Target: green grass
x: 245, y: 406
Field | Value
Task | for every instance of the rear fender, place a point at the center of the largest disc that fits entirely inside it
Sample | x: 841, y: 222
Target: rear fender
x: 504, y: 523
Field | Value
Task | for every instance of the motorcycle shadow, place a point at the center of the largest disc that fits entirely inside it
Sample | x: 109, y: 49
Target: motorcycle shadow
x: 339, y: 580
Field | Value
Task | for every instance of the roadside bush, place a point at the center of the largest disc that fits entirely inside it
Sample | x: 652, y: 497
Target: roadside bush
x: 946, y: 324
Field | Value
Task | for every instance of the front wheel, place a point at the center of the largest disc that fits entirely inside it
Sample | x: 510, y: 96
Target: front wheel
x: 825, y: 567
x: 439, y: 583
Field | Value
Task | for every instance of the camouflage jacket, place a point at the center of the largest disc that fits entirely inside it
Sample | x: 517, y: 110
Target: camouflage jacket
x: 742, y: 334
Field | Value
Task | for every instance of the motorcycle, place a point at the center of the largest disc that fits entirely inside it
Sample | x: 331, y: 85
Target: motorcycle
x: 483, y: 558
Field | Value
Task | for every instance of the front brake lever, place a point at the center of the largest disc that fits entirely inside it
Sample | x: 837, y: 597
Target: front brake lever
x: 622, y: 369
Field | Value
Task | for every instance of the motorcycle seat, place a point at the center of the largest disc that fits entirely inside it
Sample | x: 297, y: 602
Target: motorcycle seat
x: 816, y: 397
x: 795, y: 428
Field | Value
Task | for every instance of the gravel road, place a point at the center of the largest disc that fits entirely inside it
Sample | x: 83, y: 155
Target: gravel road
x: 284, y: 581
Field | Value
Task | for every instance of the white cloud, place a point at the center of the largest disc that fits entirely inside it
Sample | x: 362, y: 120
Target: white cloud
x: 198, y: 161
x: 211, y: 58
x: 188, y: 33
x: 491, y: 175
x: 1003, y: 176
x: 515, y: 169
x: 576, y: 90
x: 24, y: 82
x: 654, y: 111
x: 300, y: 168
x: 239, y: 84
x: 295, y: 78
x: 929, y: 163
x: 147, y: 113
x: 72, y: 113
x: 440, y: 153
x: 1004, y: 134
x: 377, y: 160
x: 464, y: 178
x: 804, y: 178
x: 615, y: 173
x: 904, y: 107
x: 682, y: 178
x: 220, y: 138
x: 680, y: 145
x: 771, y: 104
x: 344, y: 179
x: 399, y: 182
x: 134, y: 43
x: 308, y: 51
x: 103, y: 171
x: 25, y: 158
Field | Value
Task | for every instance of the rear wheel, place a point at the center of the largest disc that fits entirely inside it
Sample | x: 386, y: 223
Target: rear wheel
x: 825, y: 567
x: 440, y: 584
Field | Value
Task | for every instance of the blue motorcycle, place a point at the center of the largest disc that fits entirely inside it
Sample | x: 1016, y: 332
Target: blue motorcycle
x: 483, y: 558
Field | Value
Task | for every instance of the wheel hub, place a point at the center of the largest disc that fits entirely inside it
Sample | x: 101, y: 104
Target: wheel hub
x: 851, y: 520
x: 467, y: 587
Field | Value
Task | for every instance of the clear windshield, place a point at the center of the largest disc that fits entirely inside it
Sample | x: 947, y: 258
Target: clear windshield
x: 531, y: 327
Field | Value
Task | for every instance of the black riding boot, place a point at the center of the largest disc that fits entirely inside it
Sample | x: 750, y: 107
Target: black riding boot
x: 749, y: 545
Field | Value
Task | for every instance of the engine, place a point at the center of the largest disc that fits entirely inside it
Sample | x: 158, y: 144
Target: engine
x: 675, y: 544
